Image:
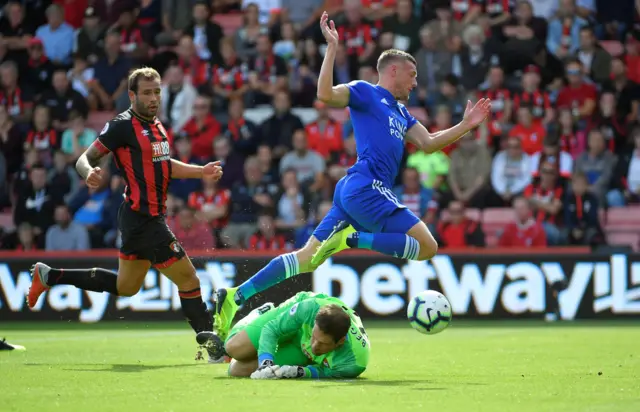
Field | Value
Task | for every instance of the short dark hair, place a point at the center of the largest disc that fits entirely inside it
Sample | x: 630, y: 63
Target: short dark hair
x: 334, y: 321
x: 146, y: 73
x: 389, y: 56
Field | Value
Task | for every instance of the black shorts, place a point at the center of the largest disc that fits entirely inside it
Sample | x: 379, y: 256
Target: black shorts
x: 146, y: 237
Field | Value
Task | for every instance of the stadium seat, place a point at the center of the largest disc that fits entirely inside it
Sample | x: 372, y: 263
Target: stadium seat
x: 624, y: 239
x: 613, y: 47
x: 420, y: 114
x: 6, y: 222
x: 495, y: 219
x: 228, y: 22
x: 623, y: 219
x: 97, y: 120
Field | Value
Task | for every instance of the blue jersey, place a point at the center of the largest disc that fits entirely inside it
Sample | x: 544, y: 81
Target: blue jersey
x: 380, y: 124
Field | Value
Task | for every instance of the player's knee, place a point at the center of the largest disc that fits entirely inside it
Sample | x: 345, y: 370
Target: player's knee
x: 428, y: 248
x: 238, y: 370
x: 127, y: 289
x: 187, y: 281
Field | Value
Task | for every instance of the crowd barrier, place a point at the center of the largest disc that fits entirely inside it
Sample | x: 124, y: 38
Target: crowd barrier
x: 479, y: 285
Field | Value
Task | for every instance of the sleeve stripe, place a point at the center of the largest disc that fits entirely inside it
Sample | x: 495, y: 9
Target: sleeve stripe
x: 314, y: 372
x: 101, y: 147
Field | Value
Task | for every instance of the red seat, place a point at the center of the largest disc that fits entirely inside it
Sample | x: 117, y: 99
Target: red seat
x: 623, y: 219
x: 495, y: 219
x: 624, y: 239
x: 229, y: 23
x: 613, y: 47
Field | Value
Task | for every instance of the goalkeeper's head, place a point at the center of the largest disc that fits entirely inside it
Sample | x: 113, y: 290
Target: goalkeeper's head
x: 330, y: 330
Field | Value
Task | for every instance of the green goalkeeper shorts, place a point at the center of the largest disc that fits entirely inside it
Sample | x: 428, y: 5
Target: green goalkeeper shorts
x: 288, y: 353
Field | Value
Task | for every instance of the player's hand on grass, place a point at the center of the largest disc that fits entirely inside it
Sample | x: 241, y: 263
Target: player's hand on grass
x: 94, y: 178
x: 289, y: 372
x: 475, y: 115
x: 212, y: 171
x: 266, y: 370
x: 329, y: 29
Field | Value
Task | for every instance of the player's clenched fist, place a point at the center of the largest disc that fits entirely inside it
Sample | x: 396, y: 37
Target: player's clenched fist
x: 212, y: 171
x: 94, y: 178
x: 289, y: 372
x: 329, y: 29
x: 267, y: 370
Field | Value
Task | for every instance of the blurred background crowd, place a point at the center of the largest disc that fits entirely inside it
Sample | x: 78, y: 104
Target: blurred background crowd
x: 557, y: 163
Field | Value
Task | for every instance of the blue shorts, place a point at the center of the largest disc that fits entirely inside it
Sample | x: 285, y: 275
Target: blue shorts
x: 368, y: 206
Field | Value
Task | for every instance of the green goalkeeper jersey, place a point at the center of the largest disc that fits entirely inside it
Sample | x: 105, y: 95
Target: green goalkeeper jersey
x: 294, y: 323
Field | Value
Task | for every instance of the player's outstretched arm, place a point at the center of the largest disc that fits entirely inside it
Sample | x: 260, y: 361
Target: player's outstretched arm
x: 433, y: 142
x: 180, y: 170
x: 335, y: 96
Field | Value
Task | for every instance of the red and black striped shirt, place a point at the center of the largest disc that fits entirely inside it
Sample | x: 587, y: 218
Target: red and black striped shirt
x: 538, y: 101
x: 142, y: 152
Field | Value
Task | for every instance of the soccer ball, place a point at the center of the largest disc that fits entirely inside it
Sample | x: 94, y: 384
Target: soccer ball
x: 429, y: 312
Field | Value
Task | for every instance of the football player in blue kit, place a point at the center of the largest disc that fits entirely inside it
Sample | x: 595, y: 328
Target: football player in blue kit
x: 365, y: 213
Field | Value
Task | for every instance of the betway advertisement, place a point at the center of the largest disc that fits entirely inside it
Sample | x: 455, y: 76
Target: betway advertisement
x: 478, y: 286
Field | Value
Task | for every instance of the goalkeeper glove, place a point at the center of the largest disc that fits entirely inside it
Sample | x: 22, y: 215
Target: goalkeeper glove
x: 266, y: 370
x: 288, y: 372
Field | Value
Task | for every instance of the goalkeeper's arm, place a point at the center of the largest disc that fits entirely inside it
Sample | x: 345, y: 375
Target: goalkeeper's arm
x: 320, y: 372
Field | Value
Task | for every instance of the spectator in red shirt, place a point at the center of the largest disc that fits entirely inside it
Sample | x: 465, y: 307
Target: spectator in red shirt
x: 229, y: 78
x: 42, y: 136
x: 211, y: 204
x: 13, y: 97
x: 572, y: 140
x: 202, y: 129
x: 546, y: 198
x: 357, y: 33
x: 525, y: 231
x: 458, y: 231
x: 501, y: 105
x: 196, y: 70
x: 533, y: 96
x: 579, y: 96
x: 324, y: 136
x: 266, y: 237
x: 530, y: 133
x: 191, y: 233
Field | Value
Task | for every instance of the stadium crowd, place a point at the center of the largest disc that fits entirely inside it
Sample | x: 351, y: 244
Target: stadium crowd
x: 561, y: 147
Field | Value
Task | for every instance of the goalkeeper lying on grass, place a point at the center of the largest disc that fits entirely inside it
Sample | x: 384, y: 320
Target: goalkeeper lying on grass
x: 307, y: 336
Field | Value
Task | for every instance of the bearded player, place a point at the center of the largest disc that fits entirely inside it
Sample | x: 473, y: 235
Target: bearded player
x: 308, y: 336
x: 141, y: 150
x: 365, y: 213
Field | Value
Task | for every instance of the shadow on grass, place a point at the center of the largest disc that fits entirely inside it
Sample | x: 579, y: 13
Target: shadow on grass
x: 122, y: 368
x: 413, y: 384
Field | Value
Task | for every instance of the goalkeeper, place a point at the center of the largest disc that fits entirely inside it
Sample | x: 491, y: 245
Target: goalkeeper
x: 307, y: 336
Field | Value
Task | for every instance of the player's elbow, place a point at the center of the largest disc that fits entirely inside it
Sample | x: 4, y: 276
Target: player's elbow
x: 325, y: 96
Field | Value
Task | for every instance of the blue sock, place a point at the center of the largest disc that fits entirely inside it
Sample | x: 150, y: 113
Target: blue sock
x: 392, y: 244
x: 280, y: 268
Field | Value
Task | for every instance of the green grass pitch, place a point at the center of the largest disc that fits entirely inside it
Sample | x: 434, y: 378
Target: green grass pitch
x: 472, y: 366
